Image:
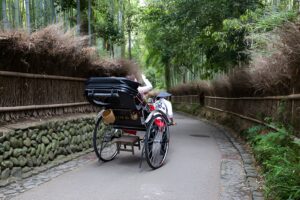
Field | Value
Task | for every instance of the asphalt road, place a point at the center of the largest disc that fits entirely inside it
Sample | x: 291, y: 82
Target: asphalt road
x: 191, y: 172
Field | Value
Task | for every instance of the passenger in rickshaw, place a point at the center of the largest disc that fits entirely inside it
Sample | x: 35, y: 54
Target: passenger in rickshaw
x: 161, y: 102
x: 147, y: 86
x: 143, y: 90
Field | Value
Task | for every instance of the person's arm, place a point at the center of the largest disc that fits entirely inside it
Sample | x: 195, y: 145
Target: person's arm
x: 169, y: 108
x: 148, y: 86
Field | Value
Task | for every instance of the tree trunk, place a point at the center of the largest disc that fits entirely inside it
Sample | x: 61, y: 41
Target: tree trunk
x: 42, y: 12
x: 17, y: 13
x: 27, y: 15
x: 22, y: 11
x: 296, y: 5
x: 45, y: 10
x: 89, y: 21
x: 123, y: 48
x: 11, y: 13
x: 78, y: 17
x: 1, y: 14
x: 184, y: 76
x: 167, y: 74
x: 4, y: 15
x: 35, y: 16
x: 112, y: 50
x: 112, y: 15
x: 129, y: 34
x: 52, y: 12
x: 129, y: 45
x: 121, y: 26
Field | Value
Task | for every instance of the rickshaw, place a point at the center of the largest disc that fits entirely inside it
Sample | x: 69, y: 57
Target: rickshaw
x: 124, y: 112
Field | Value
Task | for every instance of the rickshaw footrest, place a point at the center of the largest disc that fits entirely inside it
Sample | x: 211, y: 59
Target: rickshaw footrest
x: 132, y: 141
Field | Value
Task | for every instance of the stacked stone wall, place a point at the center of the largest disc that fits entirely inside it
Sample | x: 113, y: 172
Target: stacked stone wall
x: 23, y: 150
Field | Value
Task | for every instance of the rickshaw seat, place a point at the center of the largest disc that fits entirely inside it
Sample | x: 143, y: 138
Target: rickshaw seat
x: 112, y: 92
x: 120, y: 95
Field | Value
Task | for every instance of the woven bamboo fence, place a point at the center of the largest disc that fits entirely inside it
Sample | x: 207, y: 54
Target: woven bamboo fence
x: 285, y: 109
x: 32, y: 95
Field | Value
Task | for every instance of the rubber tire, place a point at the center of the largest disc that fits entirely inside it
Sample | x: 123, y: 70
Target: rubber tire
x: 97, y: 151
x: 147, y: 137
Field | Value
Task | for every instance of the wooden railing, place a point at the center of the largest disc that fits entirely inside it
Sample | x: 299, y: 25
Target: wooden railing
x: 281, y: 108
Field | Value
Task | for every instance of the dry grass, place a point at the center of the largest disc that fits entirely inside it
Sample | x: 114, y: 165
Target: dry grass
x: 54, y: 51
x: 199, y: 87
x: 221, y: 86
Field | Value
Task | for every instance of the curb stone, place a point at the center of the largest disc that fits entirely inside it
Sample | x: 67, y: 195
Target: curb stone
x: 247, y: 159
x: 248, y: 163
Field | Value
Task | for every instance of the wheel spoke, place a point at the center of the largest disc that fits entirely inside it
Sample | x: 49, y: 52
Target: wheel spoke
x: 105, y: 149
x: 155, y: 159
x: 156, y: 143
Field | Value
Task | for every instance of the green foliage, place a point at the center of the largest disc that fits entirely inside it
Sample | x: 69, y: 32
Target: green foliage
x: 199, y: 43
x: 279, y: 155
x: 260, y: 25
x: 154, y: 76
x: 109, y: 19
x: 183, y: 40
x: 65, y: 5
x: 188, y: 39
x: 249, y: 31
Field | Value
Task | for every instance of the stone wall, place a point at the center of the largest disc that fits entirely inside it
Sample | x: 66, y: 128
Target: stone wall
x: 23, y: 150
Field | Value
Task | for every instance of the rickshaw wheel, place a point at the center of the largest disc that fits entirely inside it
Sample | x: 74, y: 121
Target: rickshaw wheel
x: 104, y: 146
x: 157, y: 141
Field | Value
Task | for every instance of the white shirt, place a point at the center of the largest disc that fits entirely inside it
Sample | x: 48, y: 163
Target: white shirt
x: 165, y: 106
x: 148, y: 86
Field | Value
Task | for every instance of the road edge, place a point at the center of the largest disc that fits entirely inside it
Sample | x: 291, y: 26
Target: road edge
x: 247, y: 159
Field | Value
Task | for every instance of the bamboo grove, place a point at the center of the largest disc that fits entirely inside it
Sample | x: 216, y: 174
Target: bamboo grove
x: 107, y: 23
x: 199, y: 39
x: 175, y: 41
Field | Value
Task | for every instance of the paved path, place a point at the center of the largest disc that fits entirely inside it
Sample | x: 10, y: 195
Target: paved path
x: 191, y: 172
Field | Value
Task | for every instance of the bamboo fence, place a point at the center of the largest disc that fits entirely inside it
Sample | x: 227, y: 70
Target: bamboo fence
x: 33, y: 95
x: 285, y: 109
